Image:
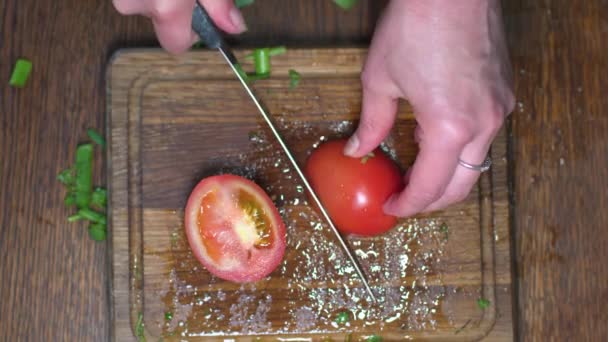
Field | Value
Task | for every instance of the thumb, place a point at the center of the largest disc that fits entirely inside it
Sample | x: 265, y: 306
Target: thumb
x: 377, y: 117
x: 225, y: 15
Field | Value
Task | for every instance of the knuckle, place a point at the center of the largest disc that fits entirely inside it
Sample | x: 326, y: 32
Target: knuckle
x: 165, y: 10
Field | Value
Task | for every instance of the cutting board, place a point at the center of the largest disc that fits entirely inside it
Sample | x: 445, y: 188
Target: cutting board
x: 175, y: 120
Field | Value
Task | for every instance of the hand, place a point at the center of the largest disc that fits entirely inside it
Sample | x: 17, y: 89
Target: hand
x: 449, y: 60
x: 172, y: 19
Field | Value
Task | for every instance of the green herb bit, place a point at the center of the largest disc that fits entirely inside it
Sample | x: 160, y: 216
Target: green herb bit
x: 346, y: 4
x: 96, y: 137
x: 483, y: 303
x: 257, y: 77
x: 367, y: 157
x: 374, y: 338
x: 97, y: 231
x: 84, y: 175
x: 74, y: 218
x: 242, y: 72
x: 277, y: 50
x: 92, y: 216
x: 261, y: 60
x: 139, y: 328
x: 343, y: 317
x: 168, y: 315
x: 69, y: 199
x: 99, y: 198
x: 294, y: 78
x: 67, y: 177
x: 21, y: 73
x: 445, y: 230
x: 243, y: 3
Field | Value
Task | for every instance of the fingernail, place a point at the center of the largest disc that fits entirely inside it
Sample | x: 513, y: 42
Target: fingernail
x: 351, y: 146
x: 237, y: 19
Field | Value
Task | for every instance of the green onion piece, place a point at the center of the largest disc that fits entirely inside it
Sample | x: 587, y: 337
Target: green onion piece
x: 99, y: 197
x: 342, y: 318
x: 294, y: 78
x: 261, y: 59
x: 445, y: 230
x: 97, y: 231
x: 74, y: 218
x: 84, y: 175
x: 21, y: 73
x: 139, y: 328
x: 277, y: 50
x: 168, y: 316
x: 96, y: 137
x: 243, y: 3
x: 346, y: 4
x: 92, y: 215
x: 257, y: 77
x: 483, y: 303
x: 69, y: 199
x: 66, y: 177
x: 374, y: 338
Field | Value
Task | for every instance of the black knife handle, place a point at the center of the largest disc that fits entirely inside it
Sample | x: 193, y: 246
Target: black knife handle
x: 203, y: 25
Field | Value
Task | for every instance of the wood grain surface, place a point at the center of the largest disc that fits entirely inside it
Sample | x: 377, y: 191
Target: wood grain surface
x: 54, y: 280
x: 173, y: 121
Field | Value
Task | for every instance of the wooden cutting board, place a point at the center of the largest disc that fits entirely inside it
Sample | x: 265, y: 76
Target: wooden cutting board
x: 175, y: 120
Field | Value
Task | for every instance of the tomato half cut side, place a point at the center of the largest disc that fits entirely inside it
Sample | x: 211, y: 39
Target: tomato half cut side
x: 234, y: 229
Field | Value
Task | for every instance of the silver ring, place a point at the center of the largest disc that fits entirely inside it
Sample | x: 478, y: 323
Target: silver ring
x: 483, y: 167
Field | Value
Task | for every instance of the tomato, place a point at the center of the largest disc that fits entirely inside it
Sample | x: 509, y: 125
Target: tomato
x: 234, y: 229
x: 353, y: 190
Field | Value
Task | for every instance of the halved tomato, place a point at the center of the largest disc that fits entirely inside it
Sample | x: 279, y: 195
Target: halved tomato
x: 234, y: 229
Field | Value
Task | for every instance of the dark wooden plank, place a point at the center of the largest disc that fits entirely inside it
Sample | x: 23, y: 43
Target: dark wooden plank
x: 560, y: 152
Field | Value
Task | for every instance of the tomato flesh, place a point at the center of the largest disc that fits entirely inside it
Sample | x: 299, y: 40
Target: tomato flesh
x: 354, y: 190
x: 234, y: 229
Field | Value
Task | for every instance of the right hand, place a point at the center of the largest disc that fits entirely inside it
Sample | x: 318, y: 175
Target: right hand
x: 172, y: 19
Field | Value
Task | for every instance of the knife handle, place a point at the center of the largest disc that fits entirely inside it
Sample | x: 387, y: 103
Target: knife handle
x: 203, y: 25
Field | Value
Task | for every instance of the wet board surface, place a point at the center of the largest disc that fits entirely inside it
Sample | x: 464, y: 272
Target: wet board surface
x: 175, y: 120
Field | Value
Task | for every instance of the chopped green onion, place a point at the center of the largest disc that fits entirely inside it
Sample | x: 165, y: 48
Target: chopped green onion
x: 261, y: 59
x: 92, y: 215
x: 483, y: 303
x: 346, y: 4
x: 74, y: 218
x: 294, y: 78
x: 242, y: 72
x: 84, y: 175
x: 21, y: 73
x: 99, y: 197
x: 277, y: 50
x: 97, y: 231
x: 139, y: 328
x: 96, y: 137
x: 66, y: 177
x: 243, y: 3
x: 342, y: 318
x: 374, y: 338
x: 255, y: 77
x: 69, y: 199
x: 168, y: 316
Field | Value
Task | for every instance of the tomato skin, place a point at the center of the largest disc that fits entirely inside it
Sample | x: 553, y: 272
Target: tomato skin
x: 353, y: 190
x: 221, y: 237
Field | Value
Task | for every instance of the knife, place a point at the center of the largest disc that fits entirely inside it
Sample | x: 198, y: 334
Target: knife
x: 211, y: 36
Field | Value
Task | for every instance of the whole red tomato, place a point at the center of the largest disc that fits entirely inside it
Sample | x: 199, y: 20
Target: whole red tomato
x: 234, y: 229
x: 353, y: 190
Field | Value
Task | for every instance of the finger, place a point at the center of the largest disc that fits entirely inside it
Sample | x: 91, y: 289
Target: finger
x: 432, y: 172
x: 378, y: 113
x: 464, y: 179
x: 172, y: 22
x: 225, y: 15
x: 130, y: 7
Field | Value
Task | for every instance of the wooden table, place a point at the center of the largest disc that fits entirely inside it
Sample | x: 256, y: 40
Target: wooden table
x: 54, y: 279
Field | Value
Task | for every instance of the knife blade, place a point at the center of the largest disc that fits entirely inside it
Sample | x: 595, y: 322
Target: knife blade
x: 210, y: 35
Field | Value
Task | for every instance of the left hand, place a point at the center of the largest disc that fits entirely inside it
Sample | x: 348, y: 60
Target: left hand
x: 449, y: 60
